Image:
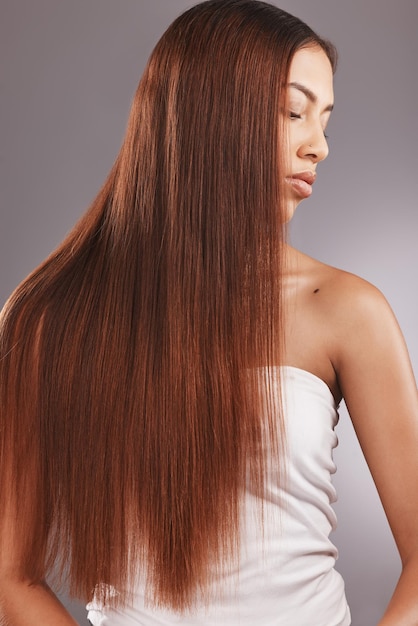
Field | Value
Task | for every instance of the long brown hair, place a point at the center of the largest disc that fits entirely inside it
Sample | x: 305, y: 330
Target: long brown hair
x: 130, y: 405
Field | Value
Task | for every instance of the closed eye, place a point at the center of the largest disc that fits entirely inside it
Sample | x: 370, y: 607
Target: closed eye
x: 294, y: 116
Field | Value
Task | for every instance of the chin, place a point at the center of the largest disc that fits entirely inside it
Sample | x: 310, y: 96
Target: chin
x: 289, y: 211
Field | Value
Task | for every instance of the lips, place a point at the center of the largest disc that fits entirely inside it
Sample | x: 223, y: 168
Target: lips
x: 302, y: 182
x: 308, y: 176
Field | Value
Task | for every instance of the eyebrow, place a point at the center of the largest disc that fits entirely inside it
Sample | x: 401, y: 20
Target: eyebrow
x: 309, y: 94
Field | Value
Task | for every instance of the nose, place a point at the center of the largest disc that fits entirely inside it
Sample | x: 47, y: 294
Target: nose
x: 315, y: 147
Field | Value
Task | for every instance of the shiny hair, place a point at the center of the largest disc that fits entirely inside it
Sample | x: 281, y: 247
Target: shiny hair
x: 131, y: 409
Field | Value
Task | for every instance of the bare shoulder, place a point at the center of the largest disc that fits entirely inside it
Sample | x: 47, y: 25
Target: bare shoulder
x: 340, y: 295
x: 334, y: 318
x: 352, y: 303
x: 357, y: 321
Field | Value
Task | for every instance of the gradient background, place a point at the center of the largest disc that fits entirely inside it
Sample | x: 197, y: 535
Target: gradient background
x: 69, y: 72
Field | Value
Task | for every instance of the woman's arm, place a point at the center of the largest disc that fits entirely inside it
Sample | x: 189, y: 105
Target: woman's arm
x: 23, y: 601
x: 378, y: 385
x: 26, y: 604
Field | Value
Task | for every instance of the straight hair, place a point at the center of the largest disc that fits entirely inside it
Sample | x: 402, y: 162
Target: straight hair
x: 132, y: 416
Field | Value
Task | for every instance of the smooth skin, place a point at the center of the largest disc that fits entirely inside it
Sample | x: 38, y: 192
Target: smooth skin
x: 340, y: 328
x: 25, y: 602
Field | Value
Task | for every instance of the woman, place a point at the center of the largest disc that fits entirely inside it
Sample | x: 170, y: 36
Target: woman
x: 159, y: 369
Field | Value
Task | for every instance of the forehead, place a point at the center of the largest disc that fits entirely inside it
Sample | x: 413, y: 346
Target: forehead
x: 312, y: 68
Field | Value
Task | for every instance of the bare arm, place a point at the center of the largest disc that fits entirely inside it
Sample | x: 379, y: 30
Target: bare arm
x: 23, y: 601
x: 26, y: 604
x: 378, y: 385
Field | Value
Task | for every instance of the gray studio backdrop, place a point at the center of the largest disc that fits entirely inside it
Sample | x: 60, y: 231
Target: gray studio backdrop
x: 69, y: 70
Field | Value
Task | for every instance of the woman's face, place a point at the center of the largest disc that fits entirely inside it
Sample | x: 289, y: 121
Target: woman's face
x: 309, y: 103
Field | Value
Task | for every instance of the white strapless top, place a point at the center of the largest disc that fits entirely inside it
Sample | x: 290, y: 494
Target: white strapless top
x: 286, y: 576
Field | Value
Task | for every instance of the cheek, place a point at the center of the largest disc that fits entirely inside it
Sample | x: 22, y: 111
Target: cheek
x: 292, y: 138
x: 288, y: 142
x: 295, y: 136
